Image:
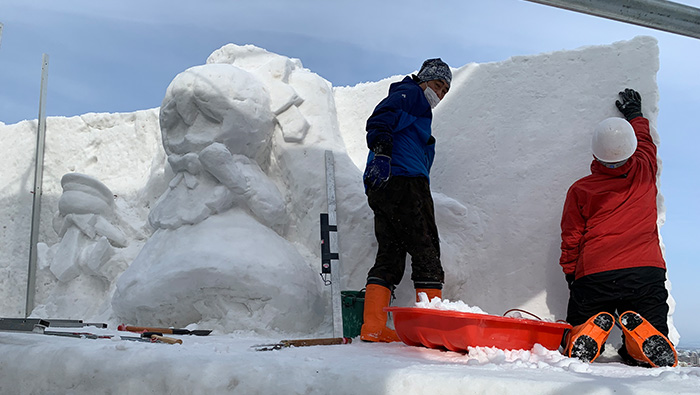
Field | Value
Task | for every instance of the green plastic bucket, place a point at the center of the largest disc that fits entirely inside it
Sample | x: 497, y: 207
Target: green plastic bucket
x: 353, y: 309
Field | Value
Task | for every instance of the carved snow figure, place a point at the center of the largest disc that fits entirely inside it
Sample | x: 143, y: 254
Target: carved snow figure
x: 307, y: 126
x: 218, y: 248
x: 79, y: 270
x: 216, y: 127
x: 86, y: 225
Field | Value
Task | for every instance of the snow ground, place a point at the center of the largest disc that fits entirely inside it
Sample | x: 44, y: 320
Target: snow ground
x: 226, y: 363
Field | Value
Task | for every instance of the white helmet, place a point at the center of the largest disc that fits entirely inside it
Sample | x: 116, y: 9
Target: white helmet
x: 613, y: 140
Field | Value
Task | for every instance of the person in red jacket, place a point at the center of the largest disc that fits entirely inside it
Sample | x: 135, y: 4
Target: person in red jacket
x: 610, y: 249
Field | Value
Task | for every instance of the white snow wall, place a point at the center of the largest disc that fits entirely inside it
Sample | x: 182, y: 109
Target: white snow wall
x: 511, y: 137
x: 121, y: 150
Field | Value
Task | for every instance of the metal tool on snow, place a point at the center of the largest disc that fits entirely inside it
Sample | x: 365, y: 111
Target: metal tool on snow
x: 171, y: 331
x: 39, y: 326
x: 302, y: 343
x: 330, y: 258
x: 30, y: 324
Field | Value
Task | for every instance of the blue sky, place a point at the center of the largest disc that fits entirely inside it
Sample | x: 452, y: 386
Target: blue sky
x: 121, y: 56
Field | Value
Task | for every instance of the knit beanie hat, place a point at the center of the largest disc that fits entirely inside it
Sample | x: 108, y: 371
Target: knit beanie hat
x: 435, y: 69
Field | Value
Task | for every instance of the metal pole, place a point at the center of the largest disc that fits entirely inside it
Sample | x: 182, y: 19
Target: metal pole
x: 333, y: 244
x: 0, y: 32
x: 38, y: 178
x: 656, y: 14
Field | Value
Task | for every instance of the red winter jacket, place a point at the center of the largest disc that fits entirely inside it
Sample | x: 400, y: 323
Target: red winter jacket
x: 609, y: 219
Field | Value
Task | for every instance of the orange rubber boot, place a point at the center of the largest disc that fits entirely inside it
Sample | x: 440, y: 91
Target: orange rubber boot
x: 646, y: 344
x: 432, y: 293
x: 374, y: 328
x: 585, y: 341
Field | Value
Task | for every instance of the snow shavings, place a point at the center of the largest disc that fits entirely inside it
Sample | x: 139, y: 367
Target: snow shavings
x: 536, y: 358
x: 445, y: 304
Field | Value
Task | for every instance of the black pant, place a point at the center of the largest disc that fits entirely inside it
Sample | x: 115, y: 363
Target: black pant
x: 640, y: 289
x: 404, y: 222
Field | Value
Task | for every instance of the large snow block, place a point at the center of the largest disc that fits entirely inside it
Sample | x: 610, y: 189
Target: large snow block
x: 512, y: 136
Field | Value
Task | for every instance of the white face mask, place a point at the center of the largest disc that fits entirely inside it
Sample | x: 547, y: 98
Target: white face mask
x: 432, y: 97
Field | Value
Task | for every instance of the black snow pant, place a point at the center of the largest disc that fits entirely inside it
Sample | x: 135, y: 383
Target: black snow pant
x: 404, y: 222
x: 640, y: 289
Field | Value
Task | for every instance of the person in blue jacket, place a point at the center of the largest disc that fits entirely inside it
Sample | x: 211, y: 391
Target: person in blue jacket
x: 397, y: 184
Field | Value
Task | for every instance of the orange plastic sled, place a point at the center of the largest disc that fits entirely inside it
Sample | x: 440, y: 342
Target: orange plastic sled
x: 456, y: 330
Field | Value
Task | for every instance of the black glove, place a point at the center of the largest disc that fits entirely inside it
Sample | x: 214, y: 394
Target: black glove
x: 570, y: 278
x: 631, y: 105
x: 378, y: 172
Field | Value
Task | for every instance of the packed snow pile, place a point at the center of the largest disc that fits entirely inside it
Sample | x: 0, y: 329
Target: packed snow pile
x: 216, y: 195
x: 445, y: 304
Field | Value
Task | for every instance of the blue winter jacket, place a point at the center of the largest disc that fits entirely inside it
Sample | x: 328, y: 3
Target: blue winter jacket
x: 404, y: 117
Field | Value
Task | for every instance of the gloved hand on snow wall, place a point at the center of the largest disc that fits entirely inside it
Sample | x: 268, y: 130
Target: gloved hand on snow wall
x: 631, y: 105
x: 378, y: 172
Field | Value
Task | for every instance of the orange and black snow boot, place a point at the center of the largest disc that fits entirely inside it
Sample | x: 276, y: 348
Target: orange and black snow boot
x: 431, y: 292
x: 586, y: 341
x: 374, y: 328
x: 645, y: 343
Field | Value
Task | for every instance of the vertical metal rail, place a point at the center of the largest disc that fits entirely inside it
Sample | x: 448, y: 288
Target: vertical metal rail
x: 38, y: 179
x: 333, y: 247
x: 656, y: 14
x: 0, y: 32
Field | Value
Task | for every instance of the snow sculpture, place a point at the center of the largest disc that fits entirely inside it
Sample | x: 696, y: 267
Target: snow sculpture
x: 75, y: 276
x: 306, y: 126
x: 216, y: 135
x: 218, y: 251
x: 86, y: 222
x: 275, y: 72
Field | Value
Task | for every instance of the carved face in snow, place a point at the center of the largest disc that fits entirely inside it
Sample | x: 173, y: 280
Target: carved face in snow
x: 217, y: 103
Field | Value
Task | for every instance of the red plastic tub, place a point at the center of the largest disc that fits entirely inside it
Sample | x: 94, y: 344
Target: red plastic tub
x: 456, y: 330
